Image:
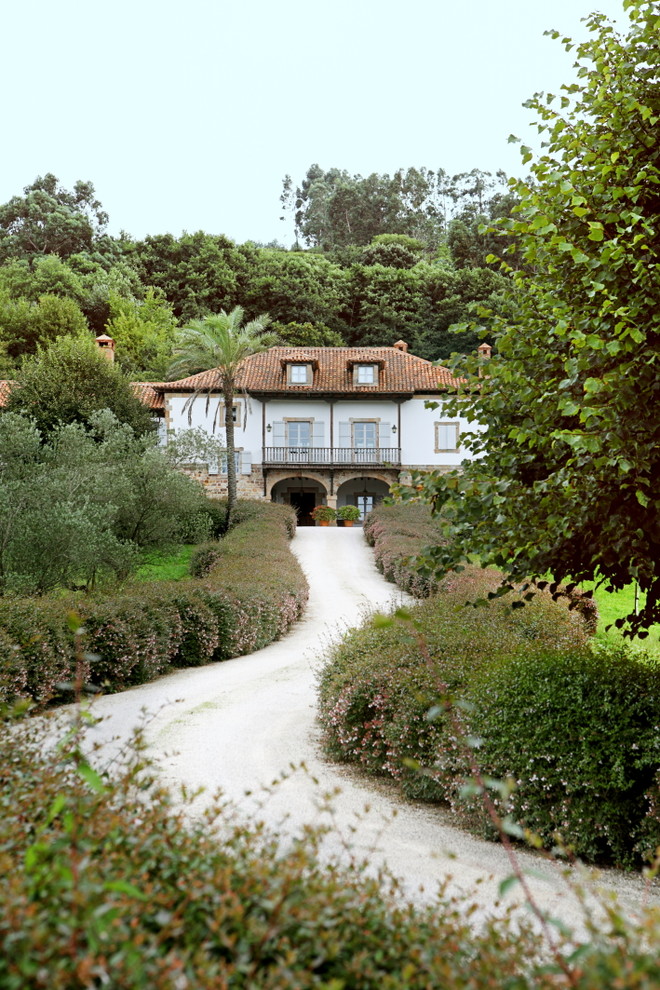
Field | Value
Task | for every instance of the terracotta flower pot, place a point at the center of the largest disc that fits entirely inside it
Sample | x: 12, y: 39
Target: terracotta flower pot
x: 323, y: 522
x: 348, y: 522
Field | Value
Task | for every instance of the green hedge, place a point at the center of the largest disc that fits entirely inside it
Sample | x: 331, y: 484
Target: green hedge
x: 398, y: 533
x: 251, y: 597
x: 579, y: 732
x: 102, y: 883
x: 580, y: 736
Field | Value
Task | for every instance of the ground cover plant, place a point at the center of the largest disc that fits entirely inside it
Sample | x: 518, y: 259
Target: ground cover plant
x: 575, y: 732
x: 146, y: 895
x: 172, y: 566
x: 139, y: 630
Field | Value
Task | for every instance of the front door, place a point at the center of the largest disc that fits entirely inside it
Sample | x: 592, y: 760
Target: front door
x: 303, y: 503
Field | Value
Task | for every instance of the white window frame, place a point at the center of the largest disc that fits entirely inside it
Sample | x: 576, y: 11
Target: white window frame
x: 364, y: 498
x: 365, y: 422
x: 287, y: 426
x: 445, y: 426
x: 223, y: 462
x: 369, y: 370
x: 296, y: 369
x: 235, y: 414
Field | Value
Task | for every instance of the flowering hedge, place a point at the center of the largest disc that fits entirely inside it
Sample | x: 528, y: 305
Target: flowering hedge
x: 578, y: 731
x: 251, y: 597
x: 398, y: 533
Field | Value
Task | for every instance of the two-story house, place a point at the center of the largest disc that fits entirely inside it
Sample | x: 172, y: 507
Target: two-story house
x: 335, y: 425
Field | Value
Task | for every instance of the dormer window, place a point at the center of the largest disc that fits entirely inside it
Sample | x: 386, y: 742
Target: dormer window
x: 365, y: 374
x: 300, y: 374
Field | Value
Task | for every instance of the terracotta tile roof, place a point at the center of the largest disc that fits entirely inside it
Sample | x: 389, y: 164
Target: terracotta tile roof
x: 5, y: 389
x: 151, y: 394
x: 399, y: 372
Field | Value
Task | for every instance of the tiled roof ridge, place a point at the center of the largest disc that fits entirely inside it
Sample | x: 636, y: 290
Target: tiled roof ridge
x: 401, y: 372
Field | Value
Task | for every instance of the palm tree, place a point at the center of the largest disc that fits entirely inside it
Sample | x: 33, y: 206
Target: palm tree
x: 220, y: 342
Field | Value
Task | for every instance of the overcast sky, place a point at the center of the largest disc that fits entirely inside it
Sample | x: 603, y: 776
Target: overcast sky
x: 187, y: 115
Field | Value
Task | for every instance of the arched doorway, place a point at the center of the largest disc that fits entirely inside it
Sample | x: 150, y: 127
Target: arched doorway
x: 365, y: 492
x: 302, y: 493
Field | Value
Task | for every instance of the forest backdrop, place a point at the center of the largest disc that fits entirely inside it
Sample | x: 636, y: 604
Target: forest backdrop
x: 375, y: 259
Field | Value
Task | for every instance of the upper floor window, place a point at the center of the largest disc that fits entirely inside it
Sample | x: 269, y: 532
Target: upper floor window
x: 365, y: 434
x: 364, y: 374
x: 446, y: 437
x: 300, y: 374
x: 298, y: 433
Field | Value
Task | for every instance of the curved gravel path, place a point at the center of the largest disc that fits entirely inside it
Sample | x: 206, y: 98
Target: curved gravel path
x: 240, y: 725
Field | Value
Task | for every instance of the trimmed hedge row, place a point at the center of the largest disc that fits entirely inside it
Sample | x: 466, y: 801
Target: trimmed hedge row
x: 251, y: 597
x: 398, y: 533
x: 577, y: 731
x: 102, y: 883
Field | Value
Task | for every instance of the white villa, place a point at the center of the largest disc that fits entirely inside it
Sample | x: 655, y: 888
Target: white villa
x: 334, y: 425
x: 313, y: 425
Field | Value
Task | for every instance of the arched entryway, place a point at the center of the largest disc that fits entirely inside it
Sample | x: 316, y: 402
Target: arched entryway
x: 303, y: 493
x: 365, y: 492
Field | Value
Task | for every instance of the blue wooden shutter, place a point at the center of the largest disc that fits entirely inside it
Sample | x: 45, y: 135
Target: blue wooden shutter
x: 385, y: 435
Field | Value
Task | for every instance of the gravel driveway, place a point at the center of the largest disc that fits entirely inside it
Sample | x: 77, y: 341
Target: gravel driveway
x: 241, y: 724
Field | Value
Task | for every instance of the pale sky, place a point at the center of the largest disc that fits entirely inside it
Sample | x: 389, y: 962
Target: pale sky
x: 186, y: 115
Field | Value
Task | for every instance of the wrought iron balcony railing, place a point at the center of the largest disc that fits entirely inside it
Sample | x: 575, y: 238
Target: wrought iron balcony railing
x: 332, y: 456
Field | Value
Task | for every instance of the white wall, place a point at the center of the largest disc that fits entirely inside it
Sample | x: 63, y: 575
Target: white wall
x: 247, y: 430
x: 416, y: 435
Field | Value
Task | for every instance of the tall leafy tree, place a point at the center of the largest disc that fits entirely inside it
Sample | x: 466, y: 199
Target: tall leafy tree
x: 199, y: 273
x: 298, y: 287
x: 68, y: 380
x: 567, y: 480
x: 49, y: 219
x: 220, y: 343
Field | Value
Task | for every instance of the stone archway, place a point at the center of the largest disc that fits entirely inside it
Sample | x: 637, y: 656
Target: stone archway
x: 302, y: 492
x: 365, y: 491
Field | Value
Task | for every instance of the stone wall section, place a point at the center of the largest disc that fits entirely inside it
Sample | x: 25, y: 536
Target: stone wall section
x: 251, y: 486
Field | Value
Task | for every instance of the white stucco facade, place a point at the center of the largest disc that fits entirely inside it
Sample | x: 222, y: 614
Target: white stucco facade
x: 328, y: 437
x: 424, y: 437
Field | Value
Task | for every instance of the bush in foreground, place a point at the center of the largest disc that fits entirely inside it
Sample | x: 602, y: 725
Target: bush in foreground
x: 104, y: 883
x: 580, y: 736
x: 578, y: 733
x: 146, y: 628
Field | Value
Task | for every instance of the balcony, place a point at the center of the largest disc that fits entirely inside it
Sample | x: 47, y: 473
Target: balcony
x: 331, y: 456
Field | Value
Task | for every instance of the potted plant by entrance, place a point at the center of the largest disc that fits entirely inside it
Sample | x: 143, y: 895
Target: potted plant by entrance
x: 324, y: 514
x: 349, y: 513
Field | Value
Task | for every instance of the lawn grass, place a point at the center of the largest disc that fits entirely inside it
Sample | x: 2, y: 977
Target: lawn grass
x: 173, y: 566
x: 615, y: 605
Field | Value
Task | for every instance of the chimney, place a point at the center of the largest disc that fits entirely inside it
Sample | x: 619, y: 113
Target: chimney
x: 484, y: 351
x: 107, y: 346
x: 401, y: 346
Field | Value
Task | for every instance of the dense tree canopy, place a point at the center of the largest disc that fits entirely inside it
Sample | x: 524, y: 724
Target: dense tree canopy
x: 567, y: 481
x: 48, y: 219
x: 420, y: 223
x: 68, y: 380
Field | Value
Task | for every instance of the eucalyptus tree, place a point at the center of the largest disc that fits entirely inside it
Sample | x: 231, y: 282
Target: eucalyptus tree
x: 220, y: 343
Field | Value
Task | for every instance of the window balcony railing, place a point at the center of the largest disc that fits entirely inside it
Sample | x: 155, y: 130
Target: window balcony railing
x: 332, y: 456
